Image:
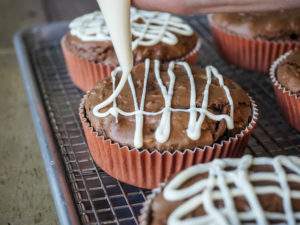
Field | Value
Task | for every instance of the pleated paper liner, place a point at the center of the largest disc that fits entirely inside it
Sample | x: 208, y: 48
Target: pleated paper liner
x: 144, y: 218
x: 289, y: 103
x: 147, y: 169
x: 85, y: 74
x: 251, y: 54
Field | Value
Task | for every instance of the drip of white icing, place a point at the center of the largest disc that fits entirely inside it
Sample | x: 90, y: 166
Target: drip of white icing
x: 216, y: 188
x: 139, y: 120
x: 194, y: 127
x: 163, y: 131
x: 156, y: 27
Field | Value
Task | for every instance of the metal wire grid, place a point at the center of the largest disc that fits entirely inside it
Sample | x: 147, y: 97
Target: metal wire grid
x: 101, y: 199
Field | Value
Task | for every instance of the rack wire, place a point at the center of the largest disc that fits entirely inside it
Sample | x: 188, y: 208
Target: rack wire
x: 101, y: 199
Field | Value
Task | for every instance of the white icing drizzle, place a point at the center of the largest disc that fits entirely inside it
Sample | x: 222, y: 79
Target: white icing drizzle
x: 216, y: 187
x: 157, y: 27
x: 90, y: 27
x: 163, y: 131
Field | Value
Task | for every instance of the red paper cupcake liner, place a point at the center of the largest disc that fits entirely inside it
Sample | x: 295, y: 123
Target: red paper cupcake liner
x: 191, y: 58
x: 289, y: 103
x: 251, y: 54
x: 145, y: 211
x: 147, y: 169
x: 83, y: 73
x: 86, y: 74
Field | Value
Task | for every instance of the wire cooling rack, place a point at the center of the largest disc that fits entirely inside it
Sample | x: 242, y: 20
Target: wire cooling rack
x: 99, y: 198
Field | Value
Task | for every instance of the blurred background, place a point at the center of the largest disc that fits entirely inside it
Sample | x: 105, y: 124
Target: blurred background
x: 25, y: 194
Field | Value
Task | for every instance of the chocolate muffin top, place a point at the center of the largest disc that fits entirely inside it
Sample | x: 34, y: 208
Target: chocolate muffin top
x: 288, y: 72
x: 231, y: 191
x: 277, y: 25
x: 89, y: 38
x: 166, y: 114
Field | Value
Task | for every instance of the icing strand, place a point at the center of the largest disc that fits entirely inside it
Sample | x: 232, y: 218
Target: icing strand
x: 228, y: 202
x: 163, y: 131
x: 138, y: 135
x: 286, y: 195
x: 156, y: 27
x: 216, y: 188
x: 241, y: 181
x: 90, y: 27
x: 110, y: 99
x: 209, y: 205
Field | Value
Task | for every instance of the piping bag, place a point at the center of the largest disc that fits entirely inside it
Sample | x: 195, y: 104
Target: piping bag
x: 117, y: 17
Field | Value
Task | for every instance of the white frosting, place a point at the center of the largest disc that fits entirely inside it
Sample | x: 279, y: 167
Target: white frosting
x: 216, y: 187
x: 157, y: 27
x: 163, y: 131
x: 90, y: 27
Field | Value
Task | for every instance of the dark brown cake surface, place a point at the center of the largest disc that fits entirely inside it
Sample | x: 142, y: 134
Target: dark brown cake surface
x: 288, y: 72
x: 277, y: 25
x: 254, y: 185
x: 103, y: 51
x: 123, y: 130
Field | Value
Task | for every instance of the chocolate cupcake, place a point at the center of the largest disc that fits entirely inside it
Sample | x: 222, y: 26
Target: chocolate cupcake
x: 229, y: 191
x: 90, y: 55
x: 285, y: 76
x: 254, y: 40
x: 184, y: 116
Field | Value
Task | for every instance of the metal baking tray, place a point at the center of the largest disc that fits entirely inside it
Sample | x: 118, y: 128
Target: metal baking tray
x: 82, y: 192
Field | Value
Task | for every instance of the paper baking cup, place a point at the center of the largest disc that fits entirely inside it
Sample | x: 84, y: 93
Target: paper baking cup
x: 144, y: 218
x: 85, y: 74
x: 251, y: 54
x: 289, y: 103
x: 146, y: 169
x: 191, y: 58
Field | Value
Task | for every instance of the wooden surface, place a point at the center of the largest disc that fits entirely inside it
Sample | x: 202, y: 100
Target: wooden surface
x: 25, y: 194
